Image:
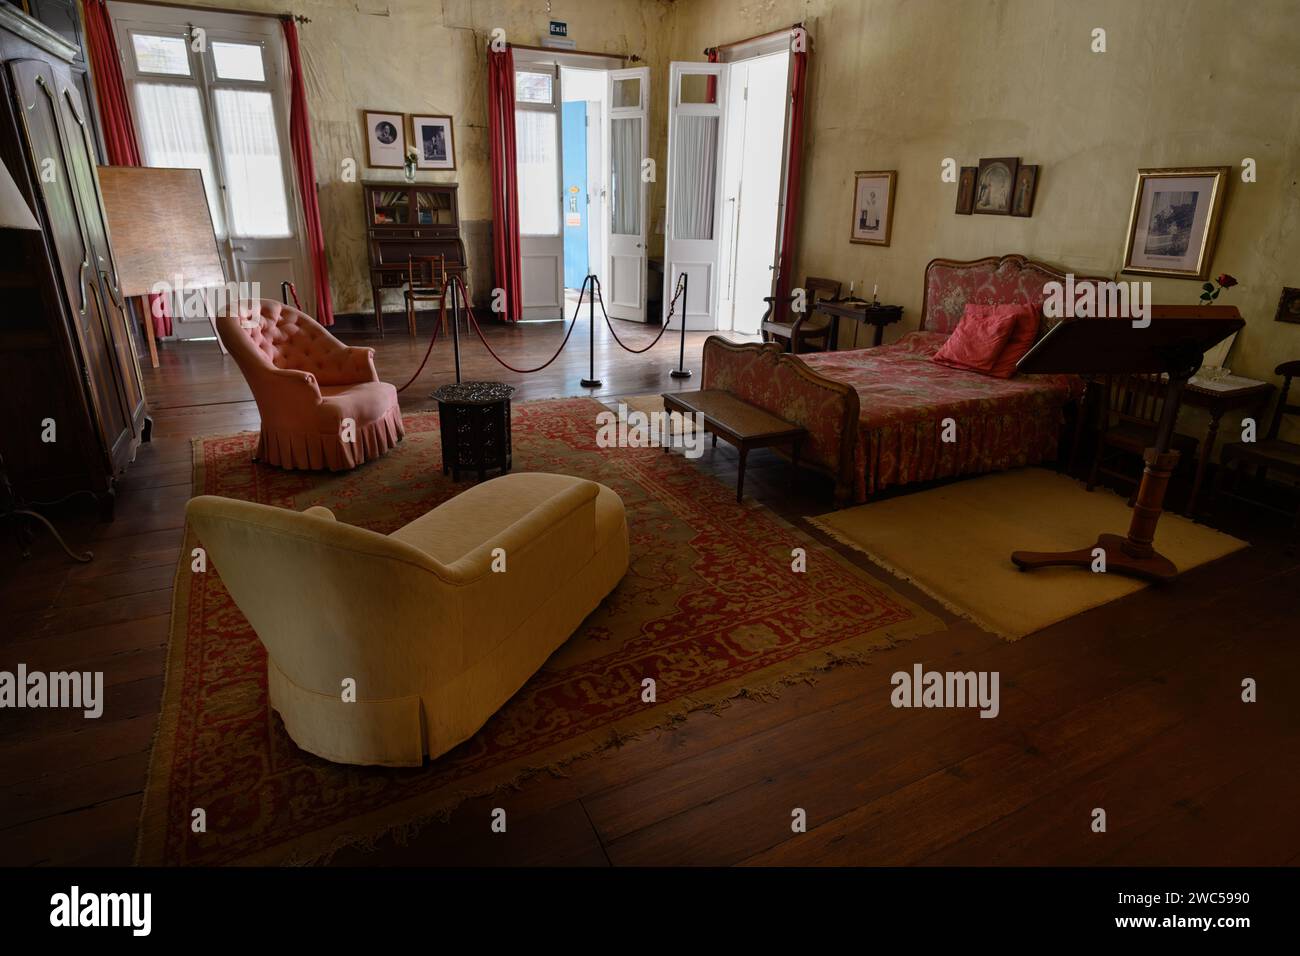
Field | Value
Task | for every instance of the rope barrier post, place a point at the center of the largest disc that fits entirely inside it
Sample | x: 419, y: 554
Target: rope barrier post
x: 284, y: 292
x: 681, y: 371
x: 591, y: 381
x: 455, y: 327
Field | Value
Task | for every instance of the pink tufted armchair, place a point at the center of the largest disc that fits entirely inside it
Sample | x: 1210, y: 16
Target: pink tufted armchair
x: 307, y: 384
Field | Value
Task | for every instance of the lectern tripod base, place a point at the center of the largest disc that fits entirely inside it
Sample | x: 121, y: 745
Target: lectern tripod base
x: 1132, y: 556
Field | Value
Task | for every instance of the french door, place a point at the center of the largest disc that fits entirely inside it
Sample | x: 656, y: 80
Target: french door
x: 692, y: 230
x: 208, y: 92
x: 627, y: 93
x: 539, y: 164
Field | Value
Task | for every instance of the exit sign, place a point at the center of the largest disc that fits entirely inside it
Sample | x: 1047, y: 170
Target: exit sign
x: 559, y: 28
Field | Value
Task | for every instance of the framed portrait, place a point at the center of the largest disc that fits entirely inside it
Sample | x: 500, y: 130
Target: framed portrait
x: 966, y: 190
x: 873, y: 206
x: 385, y: 139
x: 1174, y: 221
x: 995, y: 182
x: 1288, y: 307
x: 1022, y: 197
x: 433, y: 141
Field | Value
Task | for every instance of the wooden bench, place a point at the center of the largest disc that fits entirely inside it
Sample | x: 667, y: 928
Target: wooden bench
x: 739, y: 423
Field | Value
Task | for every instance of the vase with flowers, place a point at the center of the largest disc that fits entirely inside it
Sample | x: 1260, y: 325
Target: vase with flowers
x: 412, y: 158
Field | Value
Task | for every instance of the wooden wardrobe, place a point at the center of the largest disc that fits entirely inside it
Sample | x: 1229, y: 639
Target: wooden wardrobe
x: 66, y: 352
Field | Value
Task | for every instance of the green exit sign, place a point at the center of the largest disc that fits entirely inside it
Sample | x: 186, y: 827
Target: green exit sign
x: 559, y: 28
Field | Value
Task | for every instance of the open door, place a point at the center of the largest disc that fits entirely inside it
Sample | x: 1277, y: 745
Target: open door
x: 628, y: 93
x: 538, y: 160
x: 693, y: 226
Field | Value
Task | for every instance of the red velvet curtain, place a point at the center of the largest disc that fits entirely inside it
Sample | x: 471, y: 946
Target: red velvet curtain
x: 505, y: 180
x: 711, y: 87
x: 794, y: 176
x: 305, y: 169
x: 115, y: 117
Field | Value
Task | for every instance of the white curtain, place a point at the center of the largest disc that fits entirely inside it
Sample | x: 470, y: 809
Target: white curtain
x: 172, y: 135
x: 537, y: 161
x: 695, y: 172
x: 625, y: 176
x: 250, y: 151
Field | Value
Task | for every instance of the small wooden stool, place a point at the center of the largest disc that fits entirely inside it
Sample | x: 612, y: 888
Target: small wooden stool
x: 740, y: 424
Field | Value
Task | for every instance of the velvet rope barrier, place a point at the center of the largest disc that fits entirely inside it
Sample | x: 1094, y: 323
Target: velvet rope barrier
x: 672, y: 306
x: 429, y: 350
x: 473, y: 321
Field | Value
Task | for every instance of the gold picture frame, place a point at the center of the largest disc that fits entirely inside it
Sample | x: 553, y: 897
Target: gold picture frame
x: 1172, y: 231
x: 872, y: 225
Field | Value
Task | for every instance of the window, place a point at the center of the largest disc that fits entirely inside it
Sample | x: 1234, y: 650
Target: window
x: 211, y: 107
x: 161, y: 54
x: 534, y: 87
x: 238, y: 61
x: 539, y: 173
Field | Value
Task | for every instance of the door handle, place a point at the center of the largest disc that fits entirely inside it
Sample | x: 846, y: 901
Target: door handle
x: 112, y: 287
x: 81, y: 283
x: 235, y: 248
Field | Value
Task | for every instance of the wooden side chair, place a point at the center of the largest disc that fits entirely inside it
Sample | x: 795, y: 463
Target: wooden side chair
x: 806, y: 327
x: 426, y: 277
x: 1131, y: 406
x: 1270, y: 453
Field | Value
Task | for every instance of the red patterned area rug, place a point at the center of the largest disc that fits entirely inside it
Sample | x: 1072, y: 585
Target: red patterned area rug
x: 710, y: 608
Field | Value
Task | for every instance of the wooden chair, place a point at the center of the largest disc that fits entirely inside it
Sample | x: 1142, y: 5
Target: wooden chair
x: 1131, y: 406
x: 1271, y: 453
x: 426, y: 277
x: 808, y: 326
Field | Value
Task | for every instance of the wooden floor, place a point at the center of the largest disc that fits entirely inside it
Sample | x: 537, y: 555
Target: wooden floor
x: 1133, y: 707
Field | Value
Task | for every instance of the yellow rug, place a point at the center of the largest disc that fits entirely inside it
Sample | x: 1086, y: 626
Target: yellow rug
x: 955, y: 542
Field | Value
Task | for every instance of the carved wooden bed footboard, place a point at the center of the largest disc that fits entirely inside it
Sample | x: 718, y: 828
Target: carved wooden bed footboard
x: 782, y: 384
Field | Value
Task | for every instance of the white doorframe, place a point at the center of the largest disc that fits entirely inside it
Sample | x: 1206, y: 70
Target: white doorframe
x: 541, y: 231
x: 625, y: 284
x: 691, y: 246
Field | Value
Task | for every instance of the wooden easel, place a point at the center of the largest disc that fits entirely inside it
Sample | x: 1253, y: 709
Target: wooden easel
x: 1174, y: 343
x: 160, y: 228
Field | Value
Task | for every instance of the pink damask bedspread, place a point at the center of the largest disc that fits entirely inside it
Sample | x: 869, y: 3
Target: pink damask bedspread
x: 999, y: 423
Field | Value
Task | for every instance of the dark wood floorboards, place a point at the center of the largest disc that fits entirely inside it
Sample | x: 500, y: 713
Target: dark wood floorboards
x: 1133, y: 707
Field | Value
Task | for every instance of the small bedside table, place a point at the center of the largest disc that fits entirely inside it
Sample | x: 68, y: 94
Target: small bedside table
x: 861, y: 311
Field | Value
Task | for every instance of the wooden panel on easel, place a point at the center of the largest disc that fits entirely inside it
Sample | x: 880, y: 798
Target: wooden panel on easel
x: 160, y: 227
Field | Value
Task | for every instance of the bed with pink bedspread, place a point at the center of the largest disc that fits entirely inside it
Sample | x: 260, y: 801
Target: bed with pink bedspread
x: 876, y: 417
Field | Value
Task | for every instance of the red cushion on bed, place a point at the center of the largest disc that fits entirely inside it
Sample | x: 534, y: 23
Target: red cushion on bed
x: 979, y: 337
x: 1018, y: 343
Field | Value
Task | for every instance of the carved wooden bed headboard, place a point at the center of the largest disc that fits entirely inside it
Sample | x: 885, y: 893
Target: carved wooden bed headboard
x: 952, y: 283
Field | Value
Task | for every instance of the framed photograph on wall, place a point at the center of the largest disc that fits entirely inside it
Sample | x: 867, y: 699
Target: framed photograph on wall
x: 995, y: 182
x: 873, y: 206
x: 385, y: 139
x: 434, y: 143
x: 966, y: 190
x: 1022, y: 198
x: 1174, y: 221
x: 1288, y: 306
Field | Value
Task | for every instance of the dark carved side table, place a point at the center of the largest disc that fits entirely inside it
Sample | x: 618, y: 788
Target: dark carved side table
x: 474, y: 418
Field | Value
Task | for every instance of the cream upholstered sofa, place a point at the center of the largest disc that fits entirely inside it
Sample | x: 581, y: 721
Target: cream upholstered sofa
x: 434, y: 639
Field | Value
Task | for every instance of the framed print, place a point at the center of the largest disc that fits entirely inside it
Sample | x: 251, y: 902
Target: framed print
x: 385, y: 142
x: 434, y: 144
x: 995, y: 180
x: 1174, y: 221
x: 1022, y: 198
x: 1288, y: 307
x: 873, y: 206
x: 966, y: 190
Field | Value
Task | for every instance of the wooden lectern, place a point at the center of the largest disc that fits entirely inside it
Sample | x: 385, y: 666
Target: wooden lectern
x: 1174, y: 343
